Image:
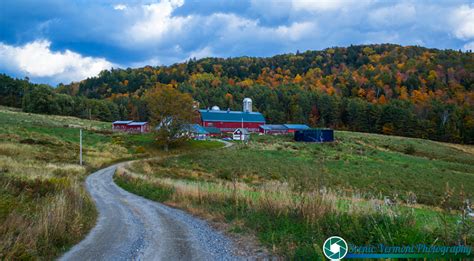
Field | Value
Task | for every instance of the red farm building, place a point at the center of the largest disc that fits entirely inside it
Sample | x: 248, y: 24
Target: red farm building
x: 228, y: 121
x: 120, y: 125
x: 131, y: 126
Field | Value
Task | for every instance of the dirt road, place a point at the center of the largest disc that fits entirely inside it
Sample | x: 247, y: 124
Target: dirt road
x: 132, y: 227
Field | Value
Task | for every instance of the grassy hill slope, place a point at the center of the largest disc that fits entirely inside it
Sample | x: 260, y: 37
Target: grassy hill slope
x: 43, y: 206
x: 367, y: 188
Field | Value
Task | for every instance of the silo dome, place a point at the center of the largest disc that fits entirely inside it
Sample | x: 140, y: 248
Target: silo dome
x: 215, y: 108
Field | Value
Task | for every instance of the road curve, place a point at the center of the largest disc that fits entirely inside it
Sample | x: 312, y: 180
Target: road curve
x: 132, y: 227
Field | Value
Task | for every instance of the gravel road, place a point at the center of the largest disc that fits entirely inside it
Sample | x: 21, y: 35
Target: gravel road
x: 132, y: 227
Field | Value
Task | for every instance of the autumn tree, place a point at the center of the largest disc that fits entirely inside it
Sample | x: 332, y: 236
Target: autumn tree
x: 169, y: 110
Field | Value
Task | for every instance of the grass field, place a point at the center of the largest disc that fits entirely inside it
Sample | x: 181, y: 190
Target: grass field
x: 295, y: 195
x: 364, y: 164
x: 44, y: 208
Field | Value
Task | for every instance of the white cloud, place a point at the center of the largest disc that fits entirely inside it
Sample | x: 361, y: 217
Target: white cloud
x: 399, y: 14
x: 120, y: 7
x: 154, y: 61
x: 156, y: 21
x: 469, y: 46
x: 463, y: 22
x: 326, y: 5
x: 296, y: 31
x: 202, y: 53
x: 37, y: 60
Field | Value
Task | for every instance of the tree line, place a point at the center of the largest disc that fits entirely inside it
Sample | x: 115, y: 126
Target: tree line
x: 408, y: 91
x: 44, y: 99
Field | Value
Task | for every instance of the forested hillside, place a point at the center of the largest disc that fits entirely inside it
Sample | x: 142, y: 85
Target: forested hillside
x: 390, y: 89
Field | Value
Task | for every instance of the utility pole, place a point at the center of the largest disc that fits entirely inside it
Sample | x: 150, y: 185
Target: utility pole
x: 80, y: 147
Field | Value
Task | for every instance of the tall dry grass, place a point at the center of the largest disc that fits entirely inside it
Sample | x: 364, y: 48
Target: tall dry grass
x: 292, y: 221
x: 48, y: 223
x: 273, y: 197
x: 44, y: 208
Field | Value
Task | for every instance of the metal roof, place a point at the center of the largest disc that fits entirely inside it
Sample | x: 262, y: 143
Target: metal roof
x: 297, y: 126
x: 121, y: 122
x: 274, y: 127
x: 137, y: 123
x: 195, y: 128
x: 213, y: 130
x: 231, y: 116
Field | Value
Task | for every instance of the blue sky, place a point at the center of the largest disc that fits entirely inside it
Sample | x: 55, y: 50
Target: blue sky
x: 55, y: 41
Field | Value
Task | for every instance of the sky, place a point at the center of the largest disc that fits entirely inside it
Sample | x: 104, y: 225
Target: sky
x: 54, y: 41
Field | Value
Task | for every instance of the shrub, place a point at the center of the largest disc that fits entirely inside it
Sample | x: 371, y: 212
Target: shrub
x: 409, y: 149
x: 140, y: 149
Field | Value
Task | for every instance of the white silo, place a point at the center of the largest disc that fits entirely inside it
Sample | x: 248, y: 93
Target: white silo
x: 247, y: 105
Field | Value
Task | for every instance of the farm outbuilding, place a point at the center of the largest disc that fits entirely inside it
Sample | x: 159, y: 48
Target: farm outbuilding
x: 213, y: 131
x: 138, y: 127
x: 120, y: 125
x: 130, y: 126
x: 195, y: 131
x: 315, y: 135
x: 241, y: 134
x: 296, y: 127
x: 273, y: 129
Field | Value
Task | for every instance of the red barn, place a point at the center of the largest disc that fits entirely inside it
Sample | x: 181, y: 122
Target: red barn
x: 130, y: 126
x: 120, y: 125
x: 228, y: 121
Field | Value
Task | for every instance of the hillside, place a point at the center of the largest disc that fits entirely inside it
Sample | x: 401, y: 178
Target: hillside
x: 366, y: 188
x: 409, y: 91
x: 44, y: 208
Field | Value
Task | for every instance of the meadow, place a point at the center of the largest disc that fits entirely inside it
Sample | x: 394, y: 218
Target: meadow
x: 44, y: 208
x: 367, y: 188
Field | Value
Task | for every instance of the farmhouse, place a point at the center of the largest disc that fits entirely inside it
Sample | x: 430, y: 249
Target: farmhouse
x: 130, y: 126
x: 228, y: 121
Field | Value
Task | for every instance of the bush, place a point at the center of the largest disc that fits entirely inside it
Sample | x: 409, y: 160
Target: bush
x: 409, y: 149
x: 140, y: 149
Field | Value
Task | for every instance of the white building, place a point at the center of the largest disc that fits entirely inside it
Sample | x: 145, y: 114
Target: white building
x: 241, y: 134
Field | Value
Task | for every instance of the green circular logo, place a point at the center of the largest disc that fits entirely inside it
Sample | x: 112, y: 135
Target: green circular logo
x: 335, y: 248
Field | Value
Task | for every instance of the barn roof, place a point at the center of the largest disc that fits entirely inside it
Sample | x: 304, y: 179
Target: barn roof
x: 121, y: 122
x: 137, y: 123
x: 271, y: 127
x: 297, y: 126
x: 231, y: 116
